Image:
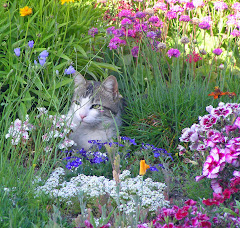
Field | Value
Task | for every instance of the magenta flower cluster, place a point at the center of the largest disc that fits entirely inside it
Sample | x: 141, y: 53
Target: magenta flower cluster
x: 173, y: 53
x: 217, y: 136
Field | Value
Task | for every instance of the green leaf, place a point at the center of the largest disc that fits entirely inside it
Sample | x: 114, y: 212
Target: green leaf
x: 60, y: 84
x: 22, y: 111
x: 229, y: 211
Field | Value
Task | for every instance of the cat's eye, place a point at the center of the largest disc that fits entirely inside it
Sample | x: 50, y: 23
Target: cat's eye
x: 96, y: 106
x: 77, y: 102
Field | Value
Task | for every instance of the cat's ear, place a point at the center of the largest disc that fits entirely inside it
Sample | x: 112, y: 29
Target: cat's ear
x: 111, y: 85
x: 79, y: 80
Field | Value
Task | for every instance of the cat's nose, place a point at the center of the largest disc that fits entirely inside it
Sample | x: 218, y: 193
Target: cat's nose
x: 82, y: 116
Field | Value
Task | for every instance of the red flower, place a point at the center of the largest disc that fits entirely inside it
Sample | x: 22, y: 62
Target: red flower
x: 194, y: 57
x: 181, y: 214
x: 205, y: 224
x: 210, y: 202
x: 190, y: 202
x: 227, y: 194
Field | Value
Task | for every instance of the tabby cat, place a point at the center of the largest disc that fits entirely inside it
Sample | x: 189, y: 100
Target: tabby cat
x: 95, y: 111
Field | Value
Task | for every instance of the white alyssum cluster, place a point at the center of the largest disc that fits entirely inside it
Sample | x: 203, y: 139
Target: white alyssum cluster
x: 150, y: 193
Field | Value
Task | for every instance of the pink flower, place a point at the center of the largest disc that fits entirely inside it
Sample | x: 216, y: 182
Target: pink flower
x: 237, y: 122
x: 216, y: 186
x: 171, y: 15
x: 204, y: 25
x: 184, y: 18
x: 198, y: 3
x: 220, y: 6
x: 194, y: 57
x: 210, y: 202
x: 181, y: 214
x: 135, y: 51
x: 205, y: 224
x: 213, y: 165
x: 207, y: 121
x: 236, y: 6
x: 235, y: 33
x: 176, y: 9
x: 160, y: 6
x: 190, y: 202
x: 126, y: 22
x: 125, y: 13
x: 153, y: 19
x: 217, y: 51
x: 173, y: 53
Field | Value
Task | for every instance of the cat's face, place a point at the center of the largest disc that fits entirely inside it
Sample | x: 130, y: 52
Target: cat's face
x: 94, y: 102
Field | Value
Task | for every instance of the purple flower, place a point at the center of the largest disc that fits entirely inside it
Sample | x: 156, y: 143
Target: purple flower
x: 131, y: 32
x: 173, y: 53
x: 141, y: 28
x: 110, y: 30
x: 190, y: 6
x: 134, y: 51
x: 30, y: 43
x: 69, y: 70
x: 151, y: 35
x: 125, y: 13
x: 220, y: 6
x: 126, y: 22
x: 17, y: 52
x: 140, y: 14
x: 235, y: 33
x: 132, y: 141
x: 115, y: 42
x: 153, y: 19
x: 217, y: 51
x: 204, y: 25
x: 44, y: 54
x: 184, y: 18
x: 236, y: 6
x: 92, y: 31
x: 171, y: 15
x: 118, y: 32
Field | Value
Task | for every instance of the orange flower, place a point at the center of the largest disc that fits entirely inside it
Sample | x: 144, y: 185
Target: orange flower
x: 218, y: 93
x: 25, y: 11
x: 143, y: 167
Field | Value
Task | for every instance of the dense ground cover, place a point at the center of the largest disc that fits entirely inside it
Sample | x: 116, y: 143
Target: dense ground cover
x: 177, y: 64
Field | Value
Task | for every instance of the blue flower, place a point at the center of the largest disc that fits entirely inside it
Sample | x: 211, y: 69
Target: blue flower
x: 41, y: 60
x: 17, y: 52
x: 73, y: 164
x: 153, y: 168
x: 156, y: 154
x: 44, y: 54
x: 69, y: 70
x: 132, y: 141
x: 30, y: 43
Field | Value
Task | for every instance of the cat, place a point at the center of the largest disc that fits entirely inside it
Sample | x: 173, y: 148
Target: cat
x: 95, y: 111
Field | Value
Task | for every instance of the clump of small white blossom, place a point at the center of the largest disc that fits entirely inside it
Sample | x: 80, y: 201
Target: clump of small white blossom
x: 93, y: 187
x: 52, y: 127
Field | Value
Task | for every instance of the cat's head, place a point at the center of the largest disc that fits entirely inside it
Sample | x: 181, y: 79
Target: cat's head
x: 94, y: 102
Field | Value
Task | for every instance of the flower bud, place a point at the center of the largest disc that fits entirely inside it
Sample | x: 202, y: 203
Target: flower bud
x: 161, y: 46
x: 221, y: 67
x: 195, y: 21
x: 203, y: 52
x: 194, y: 41
x: 185, y: 40
x: 149, y: 11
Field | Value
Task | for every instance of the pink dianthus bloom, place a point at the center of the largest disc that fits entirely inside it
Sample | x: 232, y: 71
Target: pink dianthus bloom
x: 173, y: 53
